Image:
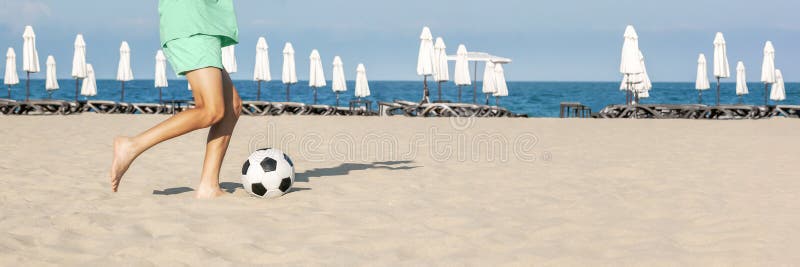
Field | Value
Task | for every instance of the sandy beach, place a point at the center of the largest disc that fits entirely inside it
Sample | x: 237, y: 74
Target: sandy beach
x: 405, y: 191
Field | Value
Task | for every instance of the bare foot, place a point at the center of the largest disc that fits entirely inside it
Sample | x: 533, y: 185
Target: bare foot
x: 123, y: 157
x: 208, y: 193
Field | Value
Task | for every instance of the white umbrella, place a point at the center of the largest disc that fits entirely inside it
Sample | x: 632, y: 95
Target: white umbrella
x: 161, y: 73
x: 11, y: 77
x: 89, y: 87
x: 51, y: 82
x: 261, y: 71
x: 124, y: 72
x: 441, y: 71
x: 30, y: 58
x: 289, y: 76
x: 425, y: 61
x: 721, y: 67
x: 639, y: 84
x: 630, y: 62
x: 316, y: 78
x: 489, y: 84
x: 768, y: 68
x: 462, y: 69
x: 79, y: 62
x: 741, y: 81
x: 362, y: 85
x: 778, y: 88
x: 702, y: 82
x: 339, y: 83
x: 229, y: 59
x: 500, y: 80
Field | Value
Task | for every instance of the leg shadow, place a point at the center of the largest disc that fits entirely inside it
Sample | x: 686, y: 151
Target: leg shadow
x: 172, y: 191
x: 346, y: 168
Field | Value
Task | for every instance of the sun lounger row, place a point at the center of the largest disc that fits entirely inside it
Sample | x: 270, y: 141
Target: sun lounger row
x: 413, y: 109
x: 695, y: 111
x: 257, y: 108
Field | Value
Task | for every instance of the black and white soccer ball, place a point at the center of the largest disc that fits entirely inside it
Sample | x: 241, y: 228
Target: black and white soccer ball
x: 268, y: 173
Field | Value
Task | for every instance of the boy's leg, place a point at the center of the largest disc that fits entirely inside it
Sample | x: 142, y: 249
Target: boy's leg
x: 209, y: 110
x: 218, y: 139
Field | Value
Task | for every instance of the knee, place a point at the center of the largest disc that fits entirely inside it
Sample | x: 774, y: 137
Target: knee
x: 211, y: 115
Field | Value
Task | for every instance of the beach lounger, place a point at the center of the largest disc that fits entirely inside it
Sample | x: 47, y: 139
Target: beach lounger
x: 102, y: 107
x: 288, y: 108
x: 320, y: 110
x: 256, y: 108
x: 147, y: 108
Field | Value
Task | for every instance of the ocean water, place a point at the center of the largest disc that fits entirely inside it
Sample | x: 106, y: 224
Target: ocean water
x: 537, y: 99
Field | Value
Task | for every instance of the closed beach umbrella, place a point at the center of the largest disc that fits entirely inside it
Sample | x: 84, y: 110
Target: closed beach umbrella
x: 11, y: 77
x: 741, y: 81
x: 425, y: 60
x: 261, y: 71
x: 500, y: 80
x: 462, y: 77
x: 639, y: 84
x: 161, y: 73
x: 51, y: 82
x: 630, y: 61
x: 339, y: 83
x: 89, y: 87
x: 441, y: 71
x: 702, y: 82
x: 316, y: 78
x: 229, y: 59
x: 489, y: 85
x: 289, y: 76
x: 79, y: 62
x: 768, y: 68
x: 30, y: 58
x: 778, y: 88
x: 362, y: 85
x: 721, y: 67
x: 124, y: 71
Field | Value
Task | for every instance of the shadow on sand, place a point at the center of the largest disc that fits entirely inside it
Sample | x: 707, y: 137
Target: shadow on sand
x: 346, y: 168
x: 305, y: 177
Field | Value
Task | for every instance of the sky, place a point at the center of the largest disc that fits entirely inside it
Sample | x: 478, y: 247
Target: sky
x: 565, y: 40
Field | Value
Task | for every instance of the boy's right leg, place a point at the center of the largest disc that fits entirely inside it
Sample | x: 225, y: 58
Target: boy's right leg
x: 209, y: 110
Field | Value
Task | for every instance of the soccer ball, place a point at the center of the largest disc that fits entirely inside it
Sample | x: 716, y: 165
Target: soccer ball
x: 268, y: 173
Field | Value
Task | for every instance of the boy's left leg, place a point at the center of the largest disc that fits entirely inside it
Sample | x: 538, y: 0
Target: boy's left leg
x: 219, y: 136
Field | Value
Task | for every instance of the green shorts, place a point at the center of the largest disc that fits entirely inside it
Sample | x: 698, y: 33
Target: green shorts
x: 194, y: 52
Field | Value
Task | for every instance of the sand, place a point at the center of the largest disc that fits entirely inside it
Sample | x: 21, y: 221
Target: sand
x: 410, y: 192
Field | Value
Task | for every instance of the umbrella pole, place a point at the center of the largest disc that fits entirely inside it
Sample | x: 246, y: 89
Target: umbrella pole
x: 258, y: 96
x: 425, y: 93
x: 440, y: 91
x: 28, y: 87
x: 315, y: 95
x: 766, y: 94
x: 9, y: 91
x: 122, y: 94
x: 287, y: 92
x: 700, y: 97
x: 159, y: 95
x: 718, y: 85
x: 487, y: 99
x: 475, y: 85
x: 459, y: 94
x: 337, y: 99
x: 76, y: 89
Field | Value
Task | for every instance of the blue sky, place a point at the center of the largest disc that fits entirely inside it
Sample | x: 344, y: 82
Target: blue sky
x: 564, y: 40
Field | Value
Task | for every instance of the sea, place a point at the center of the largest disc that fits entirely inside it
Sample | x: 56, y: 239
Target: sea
x: 536, y: 99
